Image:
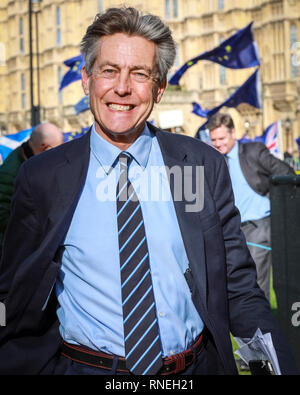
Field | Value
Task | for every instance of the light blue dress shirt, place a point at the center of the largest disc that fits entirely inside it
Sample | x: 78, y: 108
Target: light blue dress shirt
x: 251, y: 205
x: 88, y: 288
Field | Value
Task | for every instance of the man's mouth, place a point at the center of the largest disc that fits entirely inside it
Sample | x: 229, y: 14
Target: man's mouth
x: 120, y: 107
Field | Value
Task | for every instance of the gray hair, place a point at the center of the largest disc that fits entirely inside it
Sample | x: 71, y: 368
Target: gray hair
x: 129, y: 20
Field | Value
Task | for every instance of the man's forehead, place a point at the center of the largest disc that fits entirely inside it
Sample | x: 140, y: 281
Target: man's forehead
x: 119, y: 43
x: 221, y: 130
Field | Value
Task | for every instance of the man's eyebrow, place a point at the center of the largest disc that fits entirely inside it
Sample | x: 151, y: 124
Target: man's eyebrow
x: 104, y: 64
x: 141, y: 67
x: 131, y: 68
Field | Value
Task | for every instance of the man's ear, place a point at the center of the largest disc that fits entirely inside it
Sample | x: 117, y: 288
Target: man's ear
x: 159, y: 91
x: 43, y: 147
x: 85, y: 81
x: 233, y: 133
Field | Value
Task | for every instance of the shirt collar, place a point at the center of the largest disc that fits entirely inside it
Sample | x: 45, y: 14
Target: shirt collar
x: 233, y: 153
x: 107, y: 153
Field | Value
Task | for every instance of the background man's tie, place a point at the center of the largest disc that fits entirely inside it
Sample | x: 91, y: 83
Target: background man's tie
x: 226, y: 158
x: 142, y: 342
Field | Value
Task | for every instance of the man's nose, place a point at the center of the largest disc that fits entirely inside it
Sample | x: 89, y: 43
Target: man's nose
x: 123, y: 84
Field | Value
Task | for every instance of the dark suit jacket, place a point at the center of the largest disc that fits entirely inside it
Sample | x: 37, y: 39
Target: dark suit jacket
x: 223, y: 281
x: 258, y: 164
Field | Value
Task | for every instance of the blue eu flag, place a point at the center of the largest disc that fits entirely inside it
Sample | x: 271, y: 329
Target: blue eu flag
x: 239, y: 51
x: 74, y: 73
x: 249, y: 92
x: 298, y: 143
x: 82, y: 105
x: 68, y: 136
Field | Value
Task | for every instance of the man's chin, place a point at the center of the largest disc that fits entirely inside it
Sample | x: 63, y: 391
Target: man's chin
x: 132, y: 132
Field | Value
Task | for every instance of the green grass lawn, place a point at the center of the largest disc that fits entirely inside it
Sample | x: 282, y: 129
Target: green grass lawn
x: 273, y: 304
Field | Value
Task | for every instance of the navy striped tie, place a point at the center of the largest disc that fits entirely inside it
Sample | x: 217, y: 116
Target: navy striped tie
x: 141, y: 336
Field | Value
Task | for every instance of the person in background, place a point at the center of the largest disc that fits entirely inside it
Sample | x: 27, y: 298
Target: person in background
x: 250, y: 166
x: 43, y: 137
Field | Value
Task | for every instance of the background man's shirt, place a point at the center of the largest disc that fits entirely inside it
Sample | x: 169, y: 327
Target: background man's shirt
x: 251, y: 205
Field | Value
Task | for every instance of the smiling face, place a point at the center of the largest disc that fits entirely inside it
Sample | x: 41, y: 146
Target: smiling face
x: 223, y: 139
x: 122, y: 87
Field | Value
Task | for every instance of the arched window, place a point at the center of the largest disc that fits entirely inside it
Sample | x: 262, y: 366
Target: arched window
x: 167, y: 9
x: 222, y: 70
x: 221, y: 4
x: 58, y: 26
x: 294, y: 49
x: 175, y: 8
x: 23, y: 91
x: 21, y: 34
x: 100, y: 6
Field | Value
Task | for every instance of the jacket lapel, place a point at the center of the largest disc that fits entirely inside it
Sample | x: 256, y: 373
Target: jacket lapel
x: 243, y: 160
x: 189, y: 222
x: 70, y: 175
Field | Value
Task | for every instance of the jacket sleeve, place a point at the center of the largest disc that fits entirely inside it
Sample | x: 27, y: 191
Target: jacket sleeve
x: 22, y: 234
x: 6, y: 191
x: 271, y: 164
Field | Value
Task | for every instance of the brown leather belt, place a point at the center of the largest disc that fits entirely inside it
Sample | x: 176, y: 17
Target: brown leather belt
x: 248, y: 223
x: 171, y: 365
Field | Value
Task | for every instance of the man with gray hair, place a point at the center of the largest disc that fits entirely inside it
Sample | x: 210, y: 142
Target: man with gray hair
x: 43, y: 137
x: 127, y: 284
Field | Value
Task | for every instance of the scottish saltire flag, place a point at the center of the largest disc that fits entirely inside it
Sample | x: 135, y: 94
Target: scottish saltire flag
x: 82, y: 105
x: 68, y: 136
x: 249, y: 92
x: 10, y: 142
x: 239, y: 51
x: 74, y: 73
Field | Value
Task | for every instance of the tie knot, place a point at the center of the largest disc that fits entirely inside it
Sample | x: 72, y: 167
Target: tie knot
x: 124, y: 158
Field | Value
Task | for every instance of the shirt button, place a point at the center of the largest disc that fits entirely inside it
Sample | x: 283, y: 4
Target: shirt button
x: 161, y: 314
x: 171, y: 352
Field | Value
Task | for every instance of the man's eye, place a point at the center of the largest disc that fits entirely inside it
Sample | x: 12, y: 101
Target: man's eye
x: 140, y: 76
x: 109, y: 72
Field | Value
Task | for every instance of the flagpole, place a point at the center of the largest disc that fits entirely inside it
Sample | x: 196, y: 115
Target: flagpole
x: 262, y: 102
x: 280, y: 142
x: 34, y: 110
x: 37, y: 108
x: 31, y: 61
